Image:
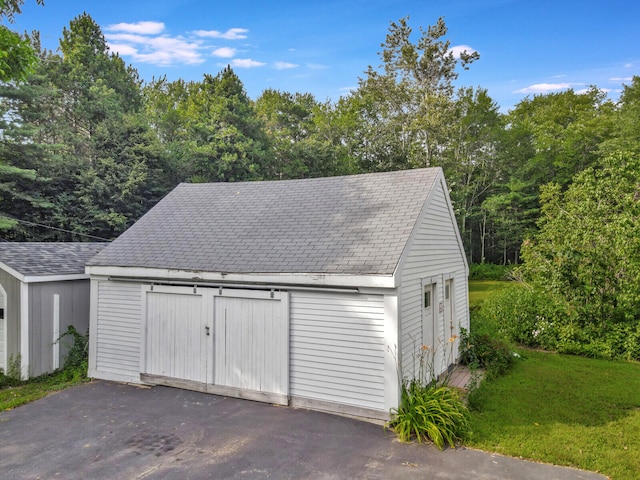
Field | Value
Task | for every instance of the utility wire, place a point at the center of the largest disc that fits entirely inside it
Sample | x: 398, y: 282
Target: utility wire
x: 60, y: 229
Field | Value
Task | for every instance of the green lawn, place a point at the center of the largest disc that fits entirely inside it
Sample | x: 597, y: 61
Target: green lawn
x: 480, y: 290
x: 564, y: 410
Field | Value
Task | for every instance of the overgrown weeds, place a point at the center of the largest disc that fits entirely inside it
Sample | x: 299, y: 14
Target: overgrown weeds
x: 15, y: 392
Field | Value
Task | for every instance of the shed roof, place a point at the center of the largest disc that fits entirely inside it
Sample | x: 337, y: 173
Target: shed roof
x: 355, y: 225
x: 48, y: 258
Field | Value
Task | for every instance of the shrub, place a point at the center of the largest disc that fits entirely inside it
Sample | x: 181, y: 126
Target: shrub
x: 484, y: 350
x: 534, y: 318
x: 433, y: 412
x: 77, y: 360
x: 526, y: 316
x: 489, y: 271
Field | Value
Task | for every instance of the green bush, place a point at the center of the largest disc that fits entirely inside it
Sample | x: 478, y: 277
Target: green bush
x: 77, y: 360
x: 526, y: 316
x: 486, y: 351
x: 433, y: 412
x: 534, y: 318
x: 489, y: 271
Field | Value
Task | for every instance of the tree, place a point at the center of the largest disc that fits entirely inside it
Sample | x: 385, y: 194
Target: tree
x: 17, y: 56
x: 588, y: 248
x: 472, y: 164
x: 76, y: 121
x: 230, y: 142
x: 626, y: 121
x: 407, y: 104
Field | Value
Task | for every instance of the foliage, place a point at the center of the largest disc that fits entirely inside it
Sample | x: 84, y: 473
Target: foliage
x: 564, y: 410
x: 15, y: 392
x: 489, y: 271
x: 24, y: 392
x: 429, y: 408
x: 13, y: 375
x: 17, y: 55
x: 433, y: 412
x: 487, y: 351
x: 587, y: 252
x: 78, y: 350
x: 524, y: 316
x: 404, y: 107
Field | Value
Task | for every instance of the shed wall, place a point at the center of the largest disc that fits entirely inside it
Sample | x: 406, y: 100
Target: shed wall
x: 73, y: 310
x: 336, y: 343
x: 11, y: 286
x: 116, y: 330
x: 434, y: 255
x: 337, y: 348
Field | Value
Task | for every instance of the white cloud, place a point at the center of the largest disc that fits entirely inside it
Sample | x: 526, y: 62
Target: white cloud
x: 123, y: 49
x: 147, y: 42
x: 621, y: 79
x: 231, y: 34
x: 545, y: 87
x: 224, y: 52
x: 458, y: 49
x: 285, y: 65
x: 628, y: 65
x: 160, y: 50
x: 246, y: 63
x: 144, y: 28
x: 316, y: 66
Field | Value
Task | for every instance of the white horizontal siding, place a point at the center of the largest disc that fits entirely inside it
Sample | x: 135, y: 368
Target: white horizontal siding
x: 337, y: 348
x: 434, y: 252
x: 119, y: 314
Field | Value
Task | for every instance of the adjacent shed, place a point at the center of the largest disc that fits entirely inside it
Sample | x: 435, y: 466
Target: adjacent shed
x: 43, y: 290
x: 312, y: 292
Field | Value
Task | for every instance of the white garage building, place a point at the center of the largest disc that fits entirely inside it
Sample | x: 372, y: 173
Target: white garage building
x: 296, y: 292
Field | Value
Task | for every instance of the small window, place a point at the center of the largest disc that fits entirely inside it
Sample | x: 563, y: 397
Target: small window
x: 446, y: 291
x: 427, y: 297
x: 1, y: 313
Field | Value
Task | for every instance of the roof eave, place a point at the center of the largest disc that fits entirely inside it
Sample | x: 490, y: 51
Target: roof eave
x: 305, y: 279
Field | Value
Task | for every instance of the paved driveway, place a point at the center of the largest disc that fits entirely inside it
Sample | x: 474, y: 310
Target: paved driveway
x: 105, y: 430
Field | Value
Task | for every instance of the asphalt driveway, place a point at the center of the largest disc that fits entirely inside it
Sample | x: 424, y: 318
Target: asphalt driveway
x: 105, y: 430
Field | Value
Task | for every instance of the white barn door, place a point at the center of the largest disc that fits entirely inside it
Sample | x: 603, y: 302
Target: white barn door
x: 178, y: 335
x: 252, y: 344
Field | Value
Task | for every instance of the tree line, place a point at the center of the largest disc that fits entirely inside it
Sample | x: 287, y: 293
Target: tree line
x: 86, y: 147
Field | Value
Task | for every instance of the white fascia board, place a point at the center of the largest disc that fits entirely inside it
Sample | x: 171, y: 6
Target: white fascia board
x: 11, y: 271
x: 55, y: 278
x: 303, y: 279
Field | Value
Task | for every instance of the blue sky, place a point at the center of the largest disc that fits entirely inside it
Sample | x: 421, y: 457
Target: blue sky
x: 323, y: 47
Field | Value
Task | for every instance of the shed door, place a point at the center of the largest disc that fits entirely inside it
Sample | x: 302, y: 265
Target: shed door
x: 178, y: 337
x: 252, y: 345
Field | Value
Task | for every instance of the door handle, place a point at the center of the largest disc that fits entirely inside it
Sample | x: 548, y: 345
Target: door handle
x: 206, y: 330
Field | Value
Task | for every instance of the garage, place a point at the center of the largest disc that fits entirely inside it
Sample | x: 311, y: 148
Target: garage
x: 227, y: 341
x: 310, y: 293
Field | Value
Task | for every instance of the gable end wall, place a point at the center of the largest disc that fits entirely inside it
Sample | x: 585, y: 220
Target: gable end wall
x: 434, y: 252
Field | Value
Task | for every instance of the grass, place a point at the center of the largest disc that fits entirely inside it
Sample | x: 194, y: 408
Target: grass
x: 565, y: 410
x: 480, y: 290
x: 31, y: 390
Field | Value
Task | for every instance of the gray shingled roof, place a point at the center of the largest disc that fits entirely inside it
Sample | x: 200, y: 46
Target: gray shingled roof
x: 48, y: 258
x: 357, y: 224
